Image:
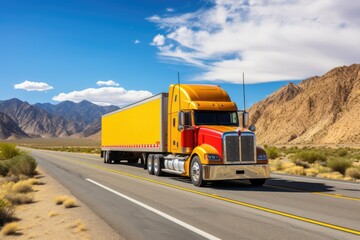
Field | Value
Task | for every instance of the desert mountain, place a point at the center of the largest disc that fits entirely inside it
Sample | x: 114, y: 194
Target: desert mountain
x: 9, y: 128
x: 319, y: 110
x: 83, y: 115
x: 34, y: 121
x: 47, y: 120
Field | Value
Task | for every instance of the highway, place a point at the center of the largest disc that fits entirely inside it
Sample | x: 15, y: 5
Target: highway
x: 140, y: 206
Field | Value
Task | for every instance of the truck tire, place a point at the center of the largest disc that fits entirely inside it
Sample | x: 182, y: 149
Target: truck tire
x: 150, y: 164
x: 106, y: 156
x: 158, y: 164
x: 257, y: 182
x: 196, y: 173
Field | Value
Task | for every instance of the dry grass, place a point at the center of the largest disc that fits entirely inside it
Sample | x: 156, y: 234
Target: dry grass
x: 60, y: 199
x: 312, y: 172
x: 10, y: 229
x: 6, y: 210
x: 296, y: 170
x: 69, y: 203
x: 79, y: 225
x: 53, y: 214
x: 353, y: 172
x: 22, y: 187
x: 20, y: 198
x: 331, y: 175
x: 322, y: 169
x: 279, y: 165
x: 33, y: 181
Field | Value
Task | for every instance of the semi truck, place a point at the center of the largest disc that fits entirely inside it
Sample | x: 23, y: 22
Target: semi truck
x: 192, y: 131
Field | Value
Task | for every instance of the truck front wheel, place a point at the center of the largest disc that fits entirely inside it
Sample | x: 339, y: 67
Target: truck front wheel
x: 196, y: 173
x: 150, y: 164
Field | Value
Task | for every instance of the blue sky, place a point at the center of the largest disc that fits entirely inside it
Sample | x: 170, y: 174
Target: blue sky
x: 116, y: 52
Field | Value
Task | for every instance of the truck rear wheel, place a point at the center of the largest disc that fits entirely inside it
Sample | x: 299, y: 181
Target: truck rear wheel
x: 158, y: 164
x: 150, y: 164
x: 196, y: 173
x: 257, y: 182
x: 106, y: 156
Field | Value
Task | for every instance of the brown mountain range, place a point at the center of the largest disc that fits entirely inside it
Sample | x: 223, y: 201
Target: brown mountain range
x: 20, y: 119
x: 319, y: 110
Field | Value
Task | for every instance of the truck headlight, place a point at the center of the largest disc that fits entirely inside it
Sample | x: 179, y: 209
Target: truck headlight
x: 212, y: 157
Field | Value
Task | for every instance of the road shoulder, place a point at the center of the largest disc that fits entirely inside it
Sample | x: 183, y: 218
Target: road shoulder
x: 43, y: 219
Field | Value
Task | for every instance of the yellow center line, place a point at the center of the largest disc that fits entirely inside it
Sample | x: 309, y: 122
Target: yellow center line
x: 317, y: 193
x: 264, y: 209
x: 293, y: 189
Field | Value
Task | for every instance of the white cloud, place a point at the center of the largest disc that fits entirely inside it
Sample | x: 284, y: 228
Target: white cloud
x: 158, y: 40
x: 104, y: 96
x: 268, y: 40
x: 170, y: 9
x: 107, y: 83
x: 33, y: 86
x: 137, y: 41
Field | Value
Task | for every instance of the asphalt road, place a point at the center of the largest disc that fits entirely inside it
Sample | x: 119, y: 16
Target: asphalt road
x: 140, y: 206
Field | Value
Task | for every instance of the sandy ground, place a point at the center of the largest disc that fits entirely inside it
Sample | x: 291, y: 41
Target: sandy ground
x: 43, y: 219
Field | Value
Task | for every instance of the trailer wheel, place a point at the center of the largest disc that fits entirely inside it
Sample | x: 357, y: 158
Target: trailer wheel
x: 150, y: 164
x: 257, y: 182
x: 158, y: 165
x: 196, y: 173
x: 106, y: 156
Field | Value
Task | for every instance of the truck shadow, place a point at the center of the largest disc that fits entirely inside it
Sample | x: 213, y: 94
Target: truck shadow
x: 271, y: 185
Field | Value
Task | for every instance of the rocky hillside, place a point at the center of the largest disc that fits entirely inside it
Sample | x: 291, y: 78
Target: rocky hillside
x: 66, y: 119
x: 9, y: 128
x: 83, y: 115
x: 319, y: 110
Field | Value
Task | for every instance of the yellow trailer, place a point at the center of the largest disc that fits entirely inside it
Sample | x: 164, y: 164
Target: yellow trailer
x: 137, y: 128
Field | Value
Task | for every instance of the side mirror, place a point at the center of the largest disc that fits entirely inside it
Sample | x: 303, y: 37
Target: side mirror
x: 181, y: 120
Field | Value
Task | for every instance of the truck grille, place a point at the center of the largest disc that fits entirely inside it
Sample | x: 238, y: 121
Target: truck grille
x: 239, y: 149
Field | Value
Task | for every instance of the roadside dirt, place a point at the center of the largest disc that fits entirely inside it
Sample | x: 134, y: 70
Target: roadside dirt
x: 43, y: 219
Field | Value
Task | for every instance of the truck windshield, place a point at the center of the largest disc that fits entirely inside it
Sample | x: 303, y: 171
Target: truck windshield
x: 216, y: 118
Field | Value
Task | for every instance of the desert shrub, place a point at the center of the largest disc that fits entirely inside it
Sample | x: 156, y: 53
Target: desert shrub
x: 301, y: 163
x: 321, y: 169
x: 8, y: 150
x: 312, y: 172
x: 353, y: 172
x: 6, y: 210
x: 291, y: 150
x: 22, y: 164
x: 297, y: 170
x: 60, y: 199
x: 53, y: 214
x: 10, y: 229
x: 22, y: 187
x: 309, y: 156
x: 356, y: 156
x: 339, y: 164
x: 331, y: 175
x: 19, y: 198
x: 4, y: 167
x: 272, y: 152
x: 342, y: 152
x: 33, y: 181
x: 69, y: 203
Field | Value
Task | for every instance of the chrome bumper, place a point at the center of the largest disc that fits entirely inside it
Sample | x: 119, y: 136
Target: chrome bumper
x: 228, y: 172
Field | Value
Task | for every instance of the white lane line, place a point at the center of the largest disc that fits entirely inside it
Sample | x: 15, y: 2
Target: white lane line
x: 164, y: 215
x: 313, y: 179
